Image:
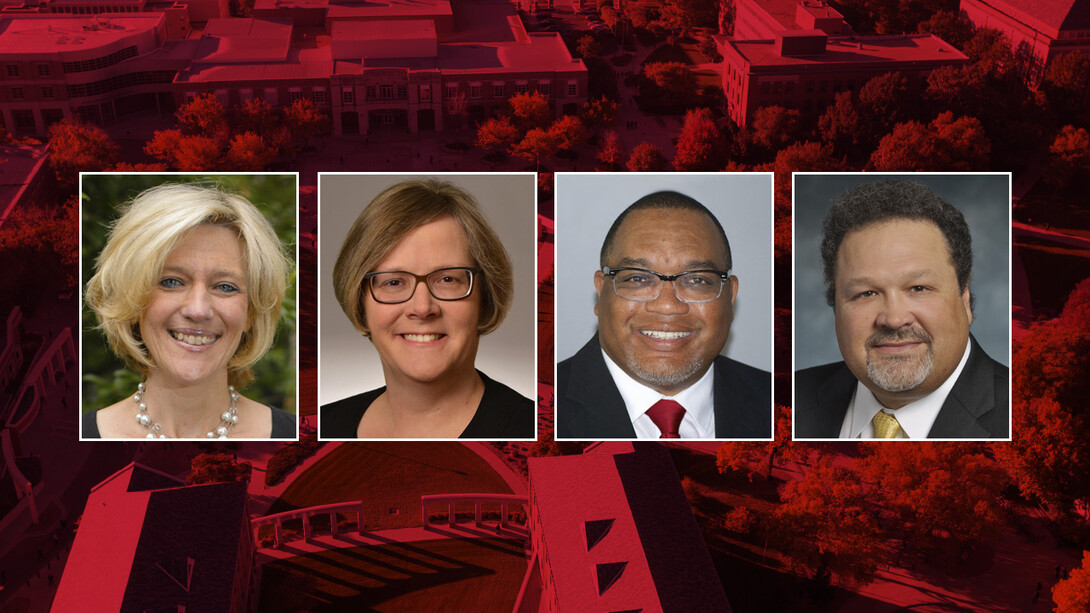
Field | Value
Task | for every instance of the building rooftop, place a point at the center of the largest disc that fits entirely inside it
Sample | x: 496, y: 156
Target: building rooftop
x: 244, y: 40
x: 52, y: 33
x: 785, y: 11
x: 857, y: 50
x: 142, y: 549
x: 544, y: 52
x: 297, y: 64
x: 622, y: 536
x: 1048, y: 16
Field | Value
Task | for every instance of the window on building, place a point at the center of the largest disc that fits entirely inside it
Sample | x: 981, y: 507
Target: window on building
x: 47, y: 92
x: 573, y: 89
x: 245, y: 95
x: 823, y: 86
x: 348, y: 96
x: 777, y: 87
x: 425, y: 93
x: 385, y: 91
x: 402, y: 91
x: 764, y: 89
x: 546, y: 88
x: 221, y: 95
x: 294, y: 94
x: 24, y: 119
x: 272, y: 96
x: 13, y: 70
x: 17, y: 93
x: 497, y: 90
x: 520, y: 87
x: 474, y: 90
x: 371, y: 91
x: 451, y: 90
x: 43, y: 70
x: 319, y: 95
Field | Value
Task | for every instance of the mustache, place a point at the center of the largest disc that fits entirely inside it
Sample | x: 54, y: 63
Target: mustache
x: 898, y: 335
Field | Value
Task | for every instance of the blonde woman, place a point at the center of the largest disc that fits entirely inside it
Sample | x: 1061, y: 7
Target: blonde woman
x: 187, y: 291
x: 423, y: 276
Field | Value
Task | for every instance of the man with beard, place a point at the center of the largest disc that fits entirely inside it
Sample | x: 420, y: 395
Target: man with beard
x: 897, y: 260
x: 665, y: 305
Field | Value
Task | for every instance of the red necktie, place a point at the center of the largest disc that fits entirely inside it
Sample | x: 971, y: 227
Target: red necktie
x: 666, y: 415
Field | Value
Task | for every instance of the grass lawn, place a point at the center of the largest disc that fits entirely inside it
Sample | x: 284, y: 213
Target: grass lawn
x: 481, y: 575
x: 390, y: 478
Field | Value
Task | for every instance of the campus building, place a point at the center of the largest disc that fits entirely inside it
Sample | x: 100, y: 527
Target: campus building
x: 1038, y: 30
x: 148, y: 542
x: 98, y: 68
x: 805, y: 69
x: 620, y: 537
x: 393, y: 64
x: 763, y: 19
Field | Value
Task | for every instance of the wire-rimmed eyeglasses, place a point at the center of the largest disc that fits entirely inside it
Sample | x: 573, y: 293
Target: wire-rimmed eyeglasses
x: 642, y: 285
x: 395, y: 286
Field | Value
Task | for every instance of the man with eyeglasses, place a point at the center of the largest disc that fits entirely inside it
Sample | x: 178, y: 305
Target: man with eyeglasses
x: 665, y: 305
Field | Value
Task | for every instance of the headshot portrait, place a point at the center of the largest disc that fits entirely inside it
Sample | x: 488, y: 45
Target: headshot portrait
x: 427, y: 306
x: 902, y: 306
x: 189, y: 306
x: 663, y: 306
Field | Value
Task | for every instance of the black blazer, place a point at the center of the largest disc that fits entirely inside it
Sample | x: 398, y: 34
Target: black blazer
x: 977, y: 406
x: 589, y: 406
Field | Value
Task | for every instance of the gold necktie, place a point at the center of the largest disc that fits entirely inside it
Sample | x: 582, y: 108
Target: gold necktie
x: 885, y: 425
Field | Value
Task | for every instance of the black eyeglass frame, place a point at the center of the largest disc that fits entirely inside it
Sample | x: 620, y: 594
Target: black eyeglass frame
x: 724, y: 276
x: 473, y: 273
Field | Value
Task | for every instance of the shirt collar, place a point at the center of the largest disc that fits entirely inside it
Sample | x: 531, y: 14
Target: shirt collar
x: 698, y: 400
x: 916, y: 418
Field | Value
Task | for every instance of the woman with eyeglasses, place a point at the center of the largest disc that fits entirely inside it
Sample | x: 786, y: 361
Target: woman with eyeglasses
x: 423, y: 276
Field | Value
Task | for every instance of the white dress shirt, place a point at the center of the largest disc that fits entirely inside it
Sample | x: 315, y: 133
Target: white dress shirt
x: 916, y: 418
x: 698, y: 400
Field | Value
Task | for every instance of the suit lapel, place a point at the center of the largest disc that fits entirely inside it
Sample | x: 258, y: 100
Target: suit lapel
x: 972, y: 396
x: 596, y: 404
x: 833, y: 397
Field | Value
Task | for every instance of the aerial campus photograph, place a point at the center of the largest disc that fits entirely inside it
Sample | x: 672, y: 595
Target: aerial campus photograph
x: 246, y: 106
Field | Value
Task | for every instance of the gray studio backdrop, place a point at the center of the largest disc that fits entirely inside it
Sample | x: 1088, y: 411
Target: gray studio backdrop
x: 587, y: 204
x: 984, y: 199
x: 348, y: 363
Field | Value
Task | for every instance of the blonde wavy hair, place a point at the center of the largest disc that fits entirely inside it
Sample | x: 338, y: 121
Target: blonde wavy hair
x: 138, y: 244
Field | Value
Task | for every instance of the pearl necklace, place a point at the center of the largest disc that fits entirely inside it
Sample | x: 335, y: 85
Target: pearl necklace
x: 227, y: 419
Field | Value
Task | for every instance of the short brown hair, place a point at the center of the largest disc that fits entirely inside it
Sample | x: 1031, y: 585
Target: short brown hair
x: 402, y: 208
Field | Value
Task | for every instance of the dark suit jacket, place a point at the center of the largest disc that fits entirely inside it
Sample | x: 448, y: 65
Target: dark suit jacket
x: 977, y: 406
x: 589, y: 406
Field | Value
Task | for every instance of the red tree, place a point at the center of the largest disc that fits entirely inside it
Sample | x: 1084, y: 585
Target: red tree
x: 939, y: 490
x: 537, y: 143
x: 530, y: 110
x: 826, y: 525
x: 75, y: 146
x: 1072, y: 595
x: 646, y: 158
x: 248, y: 152
x: 947, y: 144
x: 611, y: 152
x: 497, y: 134
x: 699, y: 146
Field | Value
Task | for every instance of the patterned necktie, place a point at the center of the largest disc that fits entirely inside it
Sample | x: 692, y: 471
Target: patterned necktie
x: 666, y: 415
x: 885, y: 425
